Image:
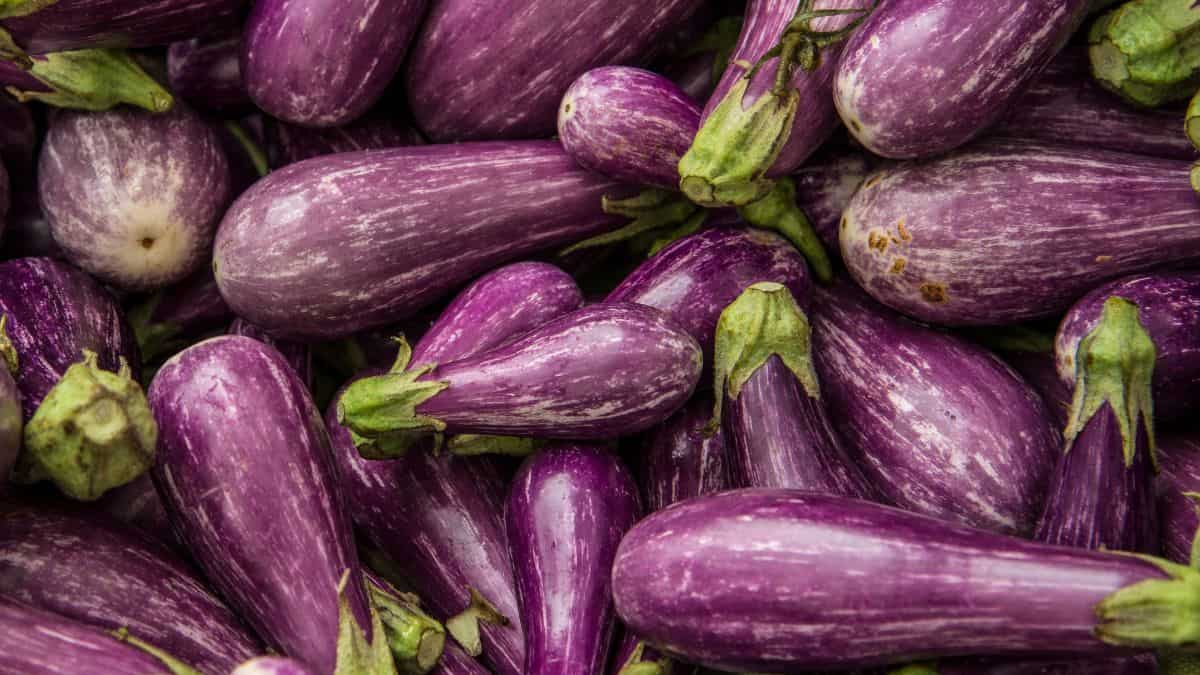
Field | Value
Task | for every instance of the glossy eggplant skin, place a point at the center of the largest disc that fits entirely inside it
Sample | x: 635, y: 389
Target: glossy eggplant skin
x: 680, y: 460
x: 93, y: 570
x: 206, y: 73
x: 1179, y: 464
x: 289, y: 143
x: 567, y: 509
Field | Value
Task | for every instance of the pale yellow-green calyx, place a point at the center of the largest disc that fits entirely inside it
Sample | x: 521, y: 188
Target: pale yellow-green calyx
x: 636, y: 666
x: 415, y: 639
x: 464, y: 626
x: 8, y: 351
x: 469, y: 445
x: 649, y: 211
x: 1148, y: 51
x: 1155, y: 613
x: 94, y: 79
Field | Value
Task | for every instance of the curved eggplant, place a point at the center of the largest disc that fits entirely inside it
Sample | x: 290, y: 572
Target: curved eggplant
x: 681, y: 460
x: 288, y: 143
x: 206, y: 73
x: 298, y: 355
x: 1179, y: 486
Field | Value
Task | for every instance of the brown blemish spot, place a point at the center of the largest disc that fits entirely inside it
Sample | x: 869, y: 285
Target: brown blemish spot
x: 934, y: 293
x: 147, y: 242
x: 903, y: 231
x: 1103, y: 258
x: 567, y: 108
x: 855, y: 125
x: 844, y: 222
x: 898, y: 265
x: 877, y: 242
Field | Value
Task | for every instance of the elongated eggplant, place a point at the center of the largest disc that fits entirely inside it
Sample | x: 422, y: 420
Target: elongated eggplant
x: 165, y: 321
x: 567, y: 509
x: 485, y: 54
x: 1179, y: 487
x: 682, y: 459
x: 288, y: 143
x: 600, y: 372
x: 276, y: 544
x: 824, y: 186
x: 132, y: 197
x: 939, y: 425
x: 322, y: 64
x: 1143, y: 664
x: 932, y: 585
x: 97, y: 572
x: 272, y: 665
x: 1169, y: 307
x: 206, y: 73
x: 369, y: 238
x: 1004, y: 231
x: 298, y: 355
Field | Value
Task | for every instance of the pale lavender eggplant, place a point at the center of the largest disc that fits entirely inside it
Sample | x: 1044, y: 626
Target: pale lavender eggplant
x: 98, y: 572
x: 80, y: 24
x: 939, y: 425
x: 567, y: 509
x: 11, y: 423
x: 369, y: 238
x: 1169, y: 308
x: 1005, y: 231
x: 850, y: 584
x: 55, y: 312
x: 206, y: 73
x: 629, y: 124
x: 232, y: 416
x: 1179, y: 464
x: 288, y: 143
x: 272, y: 665
x: 137, y: 504
x: 494, y: 58
x: 825, y: 185
x: 322, y: 64
x: 133, y: 197
x: 298, y: 355
x: 922, y: 77
x: 681, y: 461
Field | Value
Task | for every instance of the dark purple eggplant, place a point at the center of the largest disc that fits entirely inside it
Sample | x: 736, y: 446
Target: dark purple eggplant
x: 786, y: 581
x: 85, y: 79
x: 1179, y: 497
x: 137, y: 504
x: 288, y: 143
x: 322, y: 64
x: 272, y: 665
x: 1004, y: 232
x: 298, y: 355
x: 276, y: 544
x: 95, y: 571
x: 824, y: 186
x: 165, y: 321
x: 134, y: 198
x: 205, y: 72
x: 369, y: 238
x: 682, y: 459
x: 567, y: 509
x: 939, y: 425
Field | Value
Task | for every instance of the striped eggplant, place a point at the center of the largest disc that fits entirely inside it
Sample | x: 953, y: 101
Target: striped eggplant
x: 922, y: 77
x: 98, y: 572
x: 567, y: 509
x: 137, y: 504
x: 1178, y: 490
x: 288, y: 143
x: 939, y: 425
x: 698, y: 68
x: 272, y: 665
x: 205, y: 72
x: 276, y: 544
x: 1004, y: 231
x: 824, y: 186
x: 298, y: 355
x: 369, y: 238
x: 1169, y: 308
x: 599, y: 372
x: 133, y: 198
x: 681, y: 459
x: 322, y: 64
x: 494, y: 58
x: 848, y: 584
x: 165, y: 321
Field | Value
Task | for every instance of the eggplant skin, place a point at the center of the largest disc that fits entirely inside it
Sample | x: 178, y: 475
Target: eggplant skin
x: 680, y: 460
x: 1179, y: 462
x: 290, y: 143
x: 206, y: 73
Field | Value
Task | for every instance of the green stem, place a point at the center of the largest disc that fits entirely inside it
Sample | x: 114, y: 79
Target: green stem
x: 916, y: 669
x: 650, y: 210
x: 173, y: 664
x: 1148, y: 51
x: 1155, y: 613
x: 257, y: 157
x: 94, y: 79
x: 414, y: 638
x: 778, y: 211
x: 464, y: 626
x: 1016, y: 338
x: 471, y: 445
x: 636, y: 666
x: 155, y: 339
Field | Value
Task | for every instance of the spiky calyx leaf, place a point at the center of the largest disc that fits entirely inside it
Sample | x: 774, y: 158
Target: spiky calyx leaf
x: 650, y: 211
x: 356, y: 654
x: 1155, y: 613
x: 464, y: 626
x: 635, y: 665
x: 1148, y: 51
x: 94, y: 79
x: 414, y: 638
x: 8, y: 351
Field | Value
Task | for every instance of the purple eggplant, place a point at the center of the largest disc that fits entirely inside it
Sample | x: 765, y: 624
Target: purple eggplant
x: 134, y: 198
x: 600, y: 372
x: 1179, y: 490
x: 368, y: 238
x: 205, y: 72
x: 634, y: 657
x: 298, y: 355
x: 5, y: 198
x: 494, y: 58
x: 939, y: 425
x: 567, y: 509
x: 698, y: 68
x: 922, y: 77
x: 783, y: 580
x: 276, y: 544
x: 320, y: 63
x: 137, y: 504
x: 1169, y: 308
x: 272, y: 665
x: 288, y: 143
x: 95, y: 571
x: 1038, y: 370
x: 165, y: 321
x: 825, y: 185
x: 683, y: 459
x: 1005, y: 231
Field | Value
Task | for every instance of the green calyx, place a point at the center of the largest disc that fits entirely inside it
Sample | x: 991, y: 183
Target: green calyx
x: 1191, y: 124
x: 650, y: 210
x: 13, y: 8
x: 93, y: 432
x: 778, y: 211
x: 380, y: 411
x: 636, y: 666
x: 1178, y: 663
x: 94, y: 79
x: 1114, y: 364
x: 1194, y: 176
x: 355, y: 654
x: 464, y: 626
x: 1194, y: 558
x: 470, y: 445
x: 1148, y: 51
x: 172, y: 664
x: 916, y: 669
x: 257, y: 157
x: 414, y: 638
x: 764, y: 321
x: 1155, y: 613
x: 8, y: 351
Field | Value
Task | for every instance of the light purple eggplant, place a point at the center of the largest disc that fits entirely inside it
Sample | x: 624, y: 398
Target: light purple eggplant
x: 1178, y: 487
x: 132, y: 197
x: 1003, y: 231
x: 137, y: 504
x: 288, y: 143
x: 368, y: 238
x: 246, y: 474
x: 567, y: 509
x: 939, y: 425
x: 681, y: 460
x: 494, y: 58
x: 11, y: 423
x: 922, y: 77
x: 824, y: 186
x: 95, y: 571
x: 322, y: 64
x: 787, y: 581
x: 272, y: 665
x: 629, y: 124
x: 205, y: 72
x: 298, y: 355
x: 1169, y: 308
x: 165, y: 321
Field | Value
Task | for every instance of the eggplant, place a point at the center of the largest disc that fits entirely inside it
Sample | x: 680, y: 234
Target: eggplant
x: 1142, y: 51
x: 5, y: 189
x: 205, y: 72
x: 1169, y: 308
x: 939, y: 425
x: 276, y: 544
x: 567, y: 509
x: 455, y: 661
x: 358, y: 246
x: 920, y: 78
x: 1178, y: 508
x: 165, y: 321
x: 288, y: 143
x: 84, y: 79
x: 824, y: 186
x: 698, y: 68
x: 272, y: 665
x: 298, y: 355
x: 137, y: 504
x: 599, y: 372
x: 322, y: 64
x: 95, y: 571
x: 87, y: 425
x: 785, y: 580
x: 1038, y: 370
x: 682, y: 459
x: 494, y: 59
x: 1004, y: 232
x: 133, y: 198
